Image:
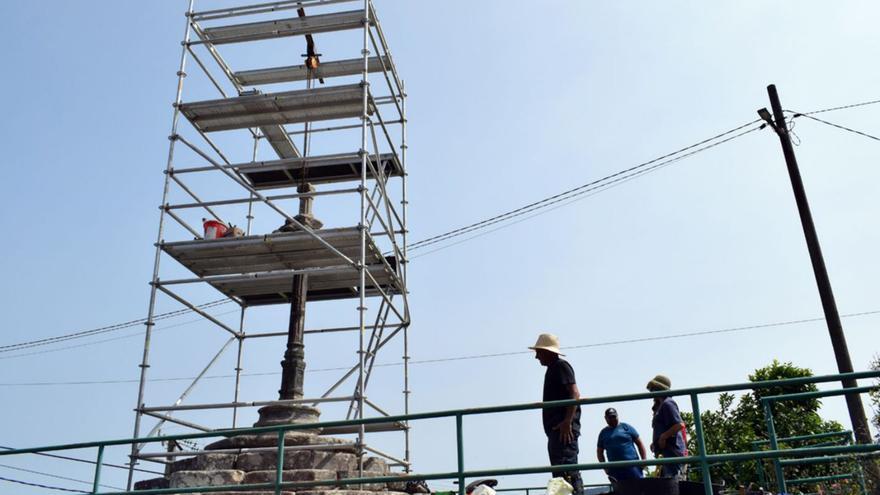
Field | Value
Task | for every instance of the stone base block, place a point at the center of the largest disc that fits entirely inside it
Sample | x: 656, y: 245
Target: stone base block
x: 187, y: 479
x: 297, y: 459
x: 361, y: 486
x: 290, y: 438
x: 155, y: 483
x: 291, y: 475
x: 205, y: 462
x: 286, y: 414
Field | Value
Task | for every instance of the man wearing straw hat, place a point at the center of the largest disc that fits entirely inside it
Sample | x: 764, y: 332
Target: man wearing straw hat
x: 562, y: 425
x: 668, y: 438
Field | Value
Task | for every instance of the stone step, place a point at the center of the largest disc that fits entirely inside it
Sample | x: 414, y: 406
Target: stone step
x: 217, y: 477
x: 297, y: 459
x: 205, y: 462
x: 268, y: 476
x: 271, y: 440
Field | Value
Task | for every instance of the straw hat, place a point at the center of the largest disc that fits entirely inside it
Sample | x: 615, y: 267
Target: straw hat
x: 547, y: 342
x: 660, y: 382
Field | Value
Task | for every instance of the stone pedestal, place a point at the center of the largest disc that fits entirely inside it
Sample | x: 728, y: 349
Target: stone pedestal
x: 286, y: 414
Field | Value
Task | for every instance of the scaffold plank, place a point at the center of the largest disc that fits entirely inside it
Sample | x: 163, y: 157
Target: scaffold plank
x: 256, y: 110
x: 318, y: 170
x: 295, y: 26
x: 334, y: 283
x: 280, y: 141
x: 293, y: 73
x: 262, y: 253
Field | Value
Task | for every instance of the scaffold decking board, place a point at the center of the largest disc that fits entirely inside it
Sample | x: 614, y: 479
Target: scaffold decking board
x: 293, y: 73
x: 305, y: 105
x: 335, y: 283
x: 317, y: 170
x: 296, y: 26
x: 263, y: 253
x: 280, y: 141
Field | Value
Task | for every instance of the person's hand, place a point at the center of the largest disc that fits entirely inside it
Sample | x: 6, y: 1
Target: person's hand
x: 662, y: 441
x: 565, y: 433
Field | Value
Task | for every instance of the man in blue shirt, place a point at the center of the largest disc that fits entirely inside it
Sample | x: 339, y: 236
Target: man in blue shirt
x: 620, y: 440
x: 667, y: 426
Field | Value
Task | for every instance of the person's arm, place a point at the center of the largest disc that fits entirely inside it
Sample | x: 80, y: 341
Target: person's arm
x: 565, y: 433
x: 600, y: 453
x: 670, y: 433
x: 642, y: 453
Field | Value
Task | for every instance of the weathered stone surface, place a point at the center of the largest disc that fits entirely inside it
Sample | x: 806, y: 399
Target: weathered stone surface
x: 271, y: 440
x: 335, y: 492
x: 186, y: 479
x: 297, y: 459
x: 205, y: 462
x: 155, y: 483
x: 361, y: 486
x: 285, y: 414
x: 398, y: 486
x: 375, y: 464
x: 291, y: 475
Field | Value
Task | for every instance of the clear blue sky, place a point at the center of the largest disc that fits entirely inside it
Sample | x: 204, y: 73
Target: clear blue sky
x: 509, y: 102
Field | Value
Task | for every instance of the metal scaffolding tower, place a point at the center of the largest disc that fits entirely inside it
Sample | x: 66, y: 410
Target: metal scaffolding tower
x: 361, y: 156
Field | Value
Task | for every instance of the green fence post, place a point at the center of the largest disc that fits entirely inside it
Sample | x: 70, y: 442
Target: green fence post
x: 459, y: 440
x: 98, y: 469
x: 771, y: 430
x: 701, y: 445
x: 279, y: 463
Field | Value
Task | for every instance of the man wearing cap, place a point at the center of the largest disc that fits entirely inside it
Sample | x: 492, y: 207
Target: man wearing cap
x: 562, y: 425
x: 667, y: 425
x: 620, y: 440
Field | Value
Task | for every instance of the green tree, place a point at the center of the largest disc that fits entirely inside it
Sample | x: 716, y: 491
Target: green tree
x: 736, y: 428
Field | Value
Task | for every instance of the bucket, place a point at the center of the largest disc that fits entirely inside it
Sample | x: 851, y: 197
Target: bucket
x: 214, y: 229
x: 646, y: 486
x: 696, y: 488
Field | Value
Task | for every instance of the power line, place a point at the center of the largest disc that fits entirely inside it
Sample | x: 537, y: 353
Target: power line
x: 473, y: 356
x: 571, y: 192
x: 96, y: 342
x: 854, y: 131
x: 27, y: 483
x: 578, y: 196
x: 87, y: 461
x: 65, y: 478
x: 844, y: 107
x: 105, y: 329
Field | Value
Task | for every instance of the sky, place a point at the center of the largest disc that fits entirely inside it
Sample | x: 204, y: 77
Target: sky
x: 509, y: 102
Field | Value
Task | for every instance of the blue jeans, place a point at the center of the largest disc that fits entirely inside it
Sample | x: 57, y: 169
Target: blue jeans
x: 565, y: 453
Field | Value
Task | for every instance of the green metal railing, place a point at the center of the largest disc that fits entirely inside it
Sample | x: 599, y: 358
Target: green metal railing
x: 702, y: 458
x: 766, y: 403
x: 844, y: 437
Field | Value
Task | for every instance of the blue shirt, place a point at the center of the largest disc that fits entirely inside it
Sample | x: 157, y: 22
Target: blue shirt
x: 618, y: 442
x: 664, y: 417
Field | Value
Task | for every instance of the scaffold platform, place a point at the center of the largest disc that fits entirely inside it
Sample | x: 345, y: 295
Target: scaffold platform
x: 316, y: 169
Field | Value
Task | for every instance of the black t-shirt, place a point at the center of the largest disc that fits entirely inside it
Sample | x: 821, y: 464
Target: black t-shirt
x: 557, y: 382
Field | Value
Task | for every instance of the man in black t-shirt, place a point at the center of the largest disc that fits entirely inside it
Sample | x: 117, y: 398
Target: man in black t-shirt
x: 562, y: 425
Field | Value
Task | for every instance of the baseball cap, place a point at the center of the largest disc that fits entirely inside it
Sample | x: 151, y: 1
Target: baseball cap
x: 611, y: 412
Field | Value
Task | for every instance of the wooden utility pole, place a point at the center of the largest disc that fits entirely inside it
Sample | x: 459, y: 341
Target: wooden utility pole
x: 829, y: 306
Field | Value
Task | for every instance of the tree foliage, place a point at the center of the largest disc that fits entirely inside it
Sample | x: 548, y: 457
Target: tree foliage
x: 739, y: 426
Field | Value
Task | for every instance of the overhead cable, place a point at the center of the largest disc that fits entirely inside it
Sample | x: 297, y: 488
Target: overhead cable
x: 65, y: 478
x: 854, y: 131
x: 468, y: 357
x: 100, y: 330
x: 583, y: 188
x: 87, y: 461
x: 38, y: 485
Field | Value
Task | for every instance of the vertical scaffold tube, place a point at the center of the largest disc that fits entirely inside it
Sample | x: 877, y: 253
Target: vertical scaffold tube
x: 362, y: 225
x: 404, y: 263
x: 169, y: 167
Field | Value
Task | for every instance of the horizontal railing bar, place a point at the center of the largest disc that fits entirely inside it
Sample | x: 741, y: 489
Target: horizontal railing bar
x: 827, y: 459
x: 820, y: 393
x: 768, y: 454
x: 261, y: 8
x: 222, y: 202
x: 819, y: 479
x: 490, y: 410
x: 154, y: 455
x: 222, y: 405
x: 816, y: 436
